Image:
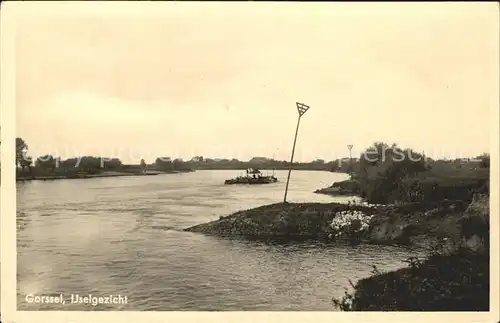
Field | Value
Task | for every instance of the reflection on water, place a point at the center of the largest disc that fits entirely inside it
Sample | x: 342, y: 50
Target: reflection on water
x: 123, y: 236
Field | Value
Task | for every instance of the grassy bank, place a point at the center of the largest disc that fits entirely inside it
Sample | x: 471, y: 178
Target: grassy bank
x: 290, y: 221
x: 348, y: 187
x: 417, y: 224
x: 455, y: 282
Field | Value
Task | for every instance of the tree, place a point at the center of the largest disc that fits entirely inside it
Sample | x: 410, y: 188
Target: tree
x: 21, y: 155
x: 21, y: 149
x: 197, y: 159
x: 143, y: 166
x: 484, y: 160
x: 47, y: 162
x: 163, y: 164
x: 376, y: 153
x: 385, y: 171
x: 177, y: 163
x: 70, y: 163
x: 90, y: 164
x: 113, y: 163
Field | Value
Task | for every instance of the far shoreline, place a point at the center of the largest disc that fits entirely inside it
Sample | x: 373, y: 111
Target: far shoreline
x: 89, y: 176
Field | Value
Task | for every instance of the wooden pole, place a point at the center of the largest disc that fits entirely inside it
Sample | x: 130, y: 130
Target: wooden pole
x: 291, y: 159
x: 301, y: 108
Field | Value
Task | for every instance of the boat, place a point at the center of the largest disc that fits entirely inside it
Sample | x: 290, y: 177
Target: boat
x: 253, y: 176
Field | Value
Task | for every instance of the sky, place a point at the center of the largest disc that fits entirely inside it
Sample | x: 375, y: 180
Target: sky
x: 222, y: 80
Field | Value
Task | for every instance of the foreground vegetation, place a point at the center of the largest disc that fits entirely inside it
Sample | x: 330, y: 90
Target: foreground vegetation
x: 454, y: 277
x: 441, y: 282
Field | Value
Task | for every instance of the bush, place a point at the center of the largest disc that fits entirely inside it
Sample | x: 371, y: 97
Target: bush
x: 391, y: 180
x: 457, y: 282
x: 349, y: 224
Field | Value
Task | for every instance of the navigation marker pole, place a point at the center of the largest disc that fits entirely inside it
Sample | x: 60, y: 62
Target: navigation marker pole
x: 274, y: 162
x: 350, y: 158
x: 301, y: 108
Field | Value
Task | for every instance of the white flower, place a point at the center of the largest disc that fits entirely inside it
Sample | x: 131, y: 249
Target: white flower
x: 343, y: 221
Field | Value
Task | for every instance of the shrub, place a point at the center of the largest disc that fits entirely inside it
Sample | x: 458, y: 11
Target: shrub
x: 458, y: 282
x: 350, y: 223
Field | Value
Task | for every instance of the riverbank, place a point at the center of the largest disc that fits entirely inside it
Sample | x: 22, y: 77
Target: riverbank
x: 88, y: 175
x: 413, y: 189
x: 416, y: 224
x: 454, y: 282
x: 344, y: 188
x: 454, y: 277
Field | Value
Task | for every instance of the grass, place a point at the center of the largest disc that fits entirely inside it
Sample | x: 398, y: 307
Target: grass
x: 456, y: 282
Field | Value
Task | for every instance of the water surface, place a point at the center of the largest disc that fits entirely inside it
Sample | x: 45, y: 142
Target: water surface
x: 123, y: 236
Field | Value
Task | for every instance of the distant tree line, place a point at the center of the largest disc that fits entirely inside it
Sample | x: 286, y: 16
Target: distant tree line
x: 199, y: 162
x: 50, y: 165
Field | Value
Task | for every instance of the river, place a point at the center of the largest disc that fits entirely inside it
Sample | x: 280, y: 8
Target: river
x: 122, y: 236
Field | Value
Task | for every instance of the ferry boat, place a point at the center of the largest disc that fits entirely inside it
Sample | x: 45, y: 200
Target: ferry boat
x: 253, y: 176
